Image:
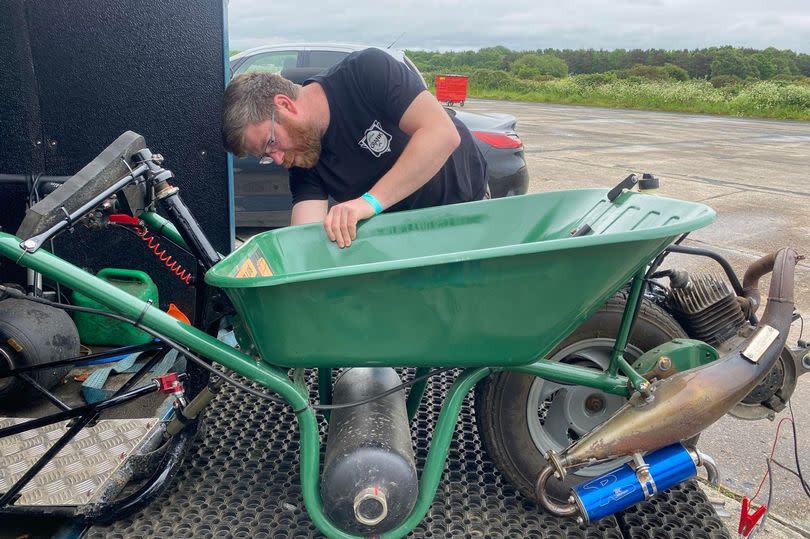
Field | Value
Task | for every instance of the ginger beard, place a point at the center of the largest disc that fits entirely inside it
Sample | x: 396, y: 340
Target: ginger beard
x: 307, y: 146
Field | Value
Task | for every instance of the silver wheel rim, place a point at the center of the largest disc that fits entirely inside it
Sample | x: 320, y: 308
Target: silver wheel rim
x: 558, y: 414
x: 5, y: 365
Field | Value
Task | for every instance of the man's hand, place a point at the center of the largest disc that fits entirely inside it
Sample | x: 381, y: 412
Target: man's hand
x: 341, y: 221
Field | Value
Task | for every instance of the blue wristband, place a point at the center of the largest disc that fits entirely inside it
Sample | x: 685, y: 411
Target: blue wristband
x: 371, y: 199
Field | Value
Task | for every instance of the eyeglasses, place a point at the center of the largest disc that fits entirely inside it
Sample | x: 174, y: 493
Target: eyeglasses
x: 264, y: 159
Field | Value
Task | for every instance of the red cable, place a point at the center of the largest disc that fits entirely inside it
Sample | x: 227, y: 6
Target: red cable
x: 154, y: 246
x: 773, y: 449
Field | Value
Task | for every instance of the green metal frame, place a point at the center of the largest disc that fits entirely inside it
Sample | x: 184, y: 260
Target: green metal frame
x: 164, y: 227
x: 617, y: 361
x: 277, y: 380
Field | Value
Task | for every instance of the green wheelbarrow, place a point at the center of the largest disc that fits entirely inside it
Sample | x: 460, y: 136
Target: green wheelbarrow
x: 592, y: 375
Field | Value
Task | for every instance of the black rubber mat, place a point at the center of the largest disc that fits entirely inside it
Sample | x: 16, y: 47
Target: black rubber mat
x: 242, y: 481
x: 683, y: 512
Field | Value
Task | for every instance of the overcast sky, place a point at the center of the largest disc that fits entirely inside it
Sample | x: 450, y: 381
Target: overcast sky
x: 524, y: 24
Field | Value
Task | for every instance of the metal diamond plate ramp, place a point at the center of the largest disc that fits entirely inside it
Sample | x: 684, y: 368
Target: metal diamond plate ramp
x: 79, y: 470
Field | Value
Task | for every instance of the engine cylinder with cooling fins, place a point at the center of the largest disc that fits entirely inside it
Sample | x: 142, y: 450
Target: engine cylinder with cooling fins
x: 707, y: 309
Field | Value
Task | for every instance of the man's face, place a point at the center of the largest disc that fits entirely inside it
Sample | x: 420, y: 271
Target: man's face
x: 295, y: 145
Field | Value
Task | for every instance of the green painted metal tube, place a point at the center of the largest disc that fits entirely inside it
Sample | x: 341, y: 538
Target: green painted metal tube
x: 275, y: 379
x: 416, y: 392
x: 439, y: 447
x: 572, y: 374
x: 272, y: 378
x: 124, y: 304
x: 164, y: 227
x: 428, y: 481
x: 627, y: 321
x: 430, y: 476
x: 617, y: 361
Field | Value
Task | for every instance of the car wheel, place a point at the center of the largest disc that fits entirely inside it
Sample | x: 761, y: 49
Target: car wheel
x: 521, y: 417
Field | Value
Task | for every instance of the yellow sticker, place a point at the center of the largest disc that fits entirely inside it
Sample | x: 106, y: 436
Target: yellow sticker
x: 247, y: 269
x: 264, y: 269
x: 14, y: 344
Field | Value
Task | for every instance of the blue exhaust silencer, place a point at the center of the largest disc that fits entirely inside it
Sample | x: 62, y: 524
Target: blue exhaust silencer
x: 634, y: 482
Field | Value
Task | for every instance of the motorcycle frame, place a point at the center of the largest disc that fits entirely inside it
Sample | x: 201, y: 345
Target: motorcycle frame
x: 276, y: 380
x: 619, y: 379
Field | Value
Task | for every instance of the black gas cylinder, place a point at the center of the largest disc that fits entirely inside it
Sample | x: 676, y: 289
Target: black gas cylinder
x: 369, y: 482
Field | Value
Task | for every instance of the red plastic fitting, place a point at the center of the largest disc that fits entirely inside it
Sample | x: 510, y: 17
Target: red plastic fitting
x: 168, y: 383
x: 124, y: 219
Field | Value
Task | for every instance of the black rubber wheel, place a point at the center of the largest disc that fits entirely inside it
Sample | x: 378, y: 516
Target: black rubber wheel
x: 32, y: 334
x: 520, y: 417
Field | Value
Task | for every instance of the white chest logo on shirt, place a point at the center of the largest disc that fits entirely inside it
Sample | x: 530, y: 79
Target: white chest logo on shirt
x: 376, y: 140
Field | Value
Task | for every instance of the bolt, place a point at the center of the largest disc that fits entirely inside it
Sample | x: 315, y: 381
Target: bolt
x: 595, y: 403
x: 664, y: 363
x: 571, y: 499
x: 30, y: 244
x: 52, y: 143
x: 580, y: 521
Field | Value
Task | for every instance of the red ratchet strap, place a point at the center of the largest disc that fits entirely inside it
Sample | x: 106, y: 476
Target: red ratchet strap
x: 748, y: 521
x: 124, y: 219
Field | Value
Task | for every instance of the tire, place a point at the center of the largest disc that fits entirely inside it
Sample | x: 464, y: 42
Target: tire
x: 32, y: 334
x: 517, y: 439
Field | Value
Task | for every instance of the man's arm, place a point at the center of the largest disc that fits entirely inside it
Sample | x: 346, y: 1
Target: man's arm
x: 309, y: 211
x: 434, y: 137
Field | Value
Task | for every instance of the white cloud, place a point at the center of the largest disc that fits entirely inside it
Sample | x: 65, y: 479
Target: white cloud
x: 525, y: 24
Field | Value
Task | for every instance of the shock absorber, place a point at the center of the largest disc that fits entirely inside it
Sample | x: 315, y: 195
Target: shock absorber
x: 153, y: 245
x: 168, y: 197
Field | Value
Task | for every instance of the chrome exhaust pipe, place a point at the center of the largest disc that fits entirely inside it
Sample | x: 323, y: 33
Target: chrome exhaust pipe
x: 685, y: 404
x: 711, y: 467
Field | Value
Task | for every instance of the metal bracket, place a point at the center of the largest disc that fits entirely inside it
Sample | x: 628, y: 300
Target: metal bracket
x: 760, y: 342
x: 645, y: 479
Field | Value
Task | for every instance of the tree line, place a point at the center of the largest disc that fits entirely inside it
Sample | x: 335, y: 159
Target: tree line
x: 709, y: 63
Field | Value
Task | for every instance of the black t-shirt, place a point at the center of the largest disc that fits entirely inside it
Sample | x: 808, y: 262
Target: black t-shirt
x: 368, y: 92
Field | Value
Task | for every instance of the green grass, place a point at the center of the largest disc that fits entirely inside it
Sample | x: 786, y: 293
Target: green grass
x: 764, y: 99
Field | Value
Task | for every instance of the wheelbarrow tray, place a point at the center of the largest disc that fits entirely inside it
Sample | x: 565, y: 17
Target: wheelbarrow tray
x: 489, y: 283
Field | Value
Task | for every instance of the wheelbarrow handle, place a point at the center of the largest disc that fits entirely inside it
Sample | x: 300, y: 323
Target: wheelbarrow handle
x: 627, y: 183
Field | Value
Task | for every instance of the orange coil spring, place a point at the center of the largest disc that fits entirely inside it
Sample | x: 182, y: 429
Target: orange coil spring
x: 153, y: 245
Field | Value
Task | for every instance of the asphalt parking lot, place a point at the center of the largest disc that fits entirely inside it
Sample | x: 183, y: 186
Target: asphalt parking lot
x: 754, y: 173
